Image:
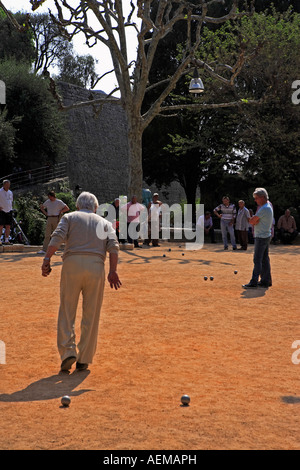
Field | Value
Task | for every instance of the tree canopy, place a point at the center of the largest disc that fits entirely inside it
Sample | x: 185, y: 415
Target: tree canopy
x: 262, y: 141
x: 39, y: 134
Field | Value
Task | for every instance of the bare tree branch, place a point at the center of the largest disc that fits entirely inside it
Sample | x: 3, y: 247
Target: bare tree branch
x: 197, y: 106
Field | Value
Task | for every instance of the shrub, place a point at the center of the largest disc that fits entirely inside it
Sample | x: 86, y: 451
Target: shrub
x: 33, y: 221
x: 68, y: 199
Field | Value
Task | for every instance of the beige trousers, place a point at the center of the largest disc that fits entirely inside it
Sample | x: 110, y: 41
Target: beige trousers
x: 51, y: 224
x: 80, y: 274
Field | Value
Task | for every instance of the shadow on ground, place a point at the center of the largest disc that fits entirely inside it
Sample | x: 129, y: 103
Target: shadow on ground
x: 290, y: 400
x: 49, y: 388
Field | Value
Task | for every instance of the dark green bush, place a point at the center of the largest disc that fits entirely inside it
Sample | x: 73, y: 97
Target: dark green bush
x: 68, y: 199
x: 33, y: 221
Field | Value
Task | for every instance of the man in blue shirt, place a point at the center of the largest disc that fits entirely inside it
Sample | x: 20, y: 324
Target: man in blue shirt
x: 262, y: 222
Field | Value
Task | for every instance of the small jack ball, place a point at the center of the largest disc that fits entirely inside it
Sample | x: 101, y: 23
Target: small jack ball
x: 170, y: 249
x: 182, y: 254
x: 235, y: 272
x: 164, y: 256
x: 66, y: 400
x: 211, y: 278
x: 185, y: 400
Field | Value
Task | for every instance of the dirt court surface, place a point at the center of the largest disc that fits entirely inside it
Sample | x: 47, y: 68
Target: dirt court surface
x: 165, y: 333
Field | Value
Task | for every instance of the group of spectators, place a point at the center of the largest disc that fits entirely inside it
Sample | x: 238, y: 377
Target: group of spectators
x: 235, y: 223
x: 133, y: 210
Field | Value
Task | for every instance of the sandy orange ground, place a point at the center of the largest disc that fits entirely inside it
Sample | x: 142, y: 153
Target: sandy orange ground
x: 165, y: 333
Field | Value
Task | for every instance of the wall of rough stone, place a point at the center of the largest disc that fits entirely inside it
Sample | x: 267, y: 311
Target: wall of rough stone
x: 98, y: 150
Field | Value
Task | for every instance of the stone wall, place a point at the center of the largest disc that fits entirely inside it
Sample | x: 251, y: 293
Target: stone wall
x: 98, y: 151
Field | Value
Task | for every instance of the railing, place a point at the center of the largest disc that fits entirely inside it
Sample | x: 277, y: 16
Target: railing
x: 40, y: 175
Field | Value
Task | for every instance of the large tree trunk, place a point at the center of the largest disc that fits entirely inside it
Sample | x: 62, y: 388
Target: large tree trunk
x: 135, y: 133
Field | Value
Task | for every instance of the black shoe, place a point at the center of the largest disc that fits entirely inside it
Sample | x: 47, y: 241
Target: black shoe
x: 81, y: 366
x: 264, y: 284
x: 67, y: 363
x: 250, y: 285
x: 225, y: 247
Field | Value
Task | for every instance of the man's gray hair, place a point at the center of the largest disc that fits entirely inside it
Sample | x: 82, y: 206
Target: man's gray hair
x: 261, y: 192
x: 87, y: 201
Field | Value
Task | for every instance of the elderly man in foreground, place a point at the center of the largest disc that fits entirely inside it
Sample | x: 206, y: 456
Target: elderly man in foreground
x: 262, y: 222
x: 87, y: 237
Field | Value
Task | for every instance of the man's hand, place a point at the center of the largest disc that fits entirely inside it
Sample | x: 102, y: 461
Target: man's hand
x: 114, y: 280
x: 46, y: 269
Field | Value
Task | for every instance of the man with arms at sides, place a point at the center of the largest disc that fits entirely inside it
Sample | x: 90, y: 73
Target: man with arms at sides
x: 87, y: 237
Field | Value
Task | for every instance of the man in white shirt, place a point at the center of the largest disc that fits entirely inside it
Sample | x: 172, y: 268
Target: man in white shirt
x: 6, y: 202
x: 154, y: 218
x: 133, y: 209
x: 52, y: 208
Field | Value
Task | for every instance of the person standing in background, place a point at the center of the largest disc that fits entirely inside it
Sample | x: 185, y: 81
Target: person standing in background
x: 6, y: 202
x: 226, y: 212
x: 53, y: 208
x: 242, y: 225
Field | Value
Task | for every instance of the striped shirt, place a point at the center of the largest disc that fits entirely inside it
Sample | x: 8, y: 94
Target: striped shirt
x: 228, y: 212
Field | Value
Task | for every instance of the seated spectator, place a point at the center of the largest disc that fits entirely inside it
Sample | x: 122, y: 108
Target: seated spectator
x: 287, y: 227
x: 206, y: 222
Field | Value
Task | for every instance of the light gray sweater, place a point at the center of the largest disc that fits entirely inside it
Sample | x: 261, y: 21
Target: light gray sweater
x: 85, y: 233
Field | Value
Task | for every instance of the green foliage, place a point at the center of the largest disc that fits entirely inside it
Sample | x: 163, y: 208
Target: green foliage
x: 33, y: 221
x: 7, y: 136
x: 78, y: 70
x: 68, y: 199
x: 41, y: 133
x: 236, y: 149
x: 17, y: 45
